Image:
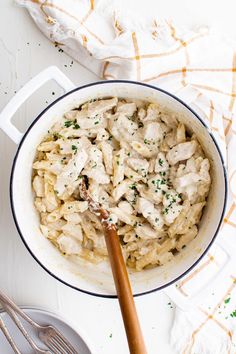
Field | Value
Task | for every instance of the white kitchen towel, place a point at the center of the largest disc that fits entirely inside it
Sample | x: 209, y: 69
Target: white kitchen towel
x: 201, y: 68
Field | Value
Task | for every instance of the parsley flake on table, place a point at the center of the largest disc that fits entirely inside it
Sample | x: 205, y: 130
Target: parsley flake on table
x: 233, y: 314
x: 227, y: 300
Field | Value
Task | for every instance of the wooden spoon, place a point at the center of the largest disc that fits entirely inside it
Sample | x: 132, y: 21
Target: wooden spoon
x: 120, y: 275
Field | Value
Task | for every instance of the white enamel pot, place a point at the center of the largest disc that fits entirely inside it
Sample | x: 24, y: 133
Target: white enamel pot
x: 81, y: 275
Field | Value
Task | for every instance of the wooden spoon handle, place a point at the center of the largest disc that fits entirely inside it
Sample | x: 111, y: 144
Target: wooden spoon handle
x: 120, y: 275
x: 124, y: 292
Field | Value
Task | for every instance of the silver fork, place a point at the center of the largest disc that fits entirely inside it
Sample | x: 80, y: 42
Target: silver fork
x: 18, y: 323
x: 49, y: 335
x: 8, y: 336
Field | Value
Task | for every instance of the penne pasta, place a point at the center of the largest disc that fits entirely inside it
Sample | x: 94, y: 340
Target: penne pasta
x: 140, y: 164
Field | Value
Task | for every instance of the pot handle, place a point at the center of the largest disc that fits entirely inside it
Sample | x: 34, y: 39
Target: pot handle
x: 222, y: 271
x: 51, y: 73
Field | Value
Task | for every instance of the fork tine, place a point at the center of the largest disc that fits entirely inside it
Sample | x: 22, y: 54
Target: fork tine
x: 52, y: 348
x: 60, y: 342
x: 46, y: 337
x: 56, y: 346
x: 64, y: 343
x: 55, y: 333
x: 56, y: 337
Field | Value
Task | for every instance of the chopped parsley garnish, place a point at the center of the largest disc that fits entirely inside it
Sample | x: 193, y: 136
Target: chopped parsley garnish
x: 74, y: 148
x: 73, y: 123
x: 56, y: 136
x: 227, y: 300
x: 97, y: 122
x: 160, y: 161
x: 118, y: 162
x: 233, y: 314
x: 172, y: 200
x: 63, y: 160
x: 170, y: 304
x: 110, y: 137
x: 162, y: 173
x: 158, y: 182
x: 110, y: 336
x: 165, y: 211
x: 68, y: 123
x: 133, y: 186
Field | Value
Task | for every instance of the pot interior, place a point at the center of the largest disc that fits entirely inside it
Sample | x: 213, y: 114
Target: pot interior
x: 78, y: 273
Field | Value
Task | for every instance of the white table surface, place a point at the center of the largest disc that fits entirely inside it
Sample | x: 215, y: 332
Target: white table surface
x: 24, y: 51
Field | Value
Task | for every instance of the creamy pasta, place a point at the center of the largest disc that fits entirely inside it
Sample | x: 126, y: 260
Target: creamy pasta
x: 143, y: 167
